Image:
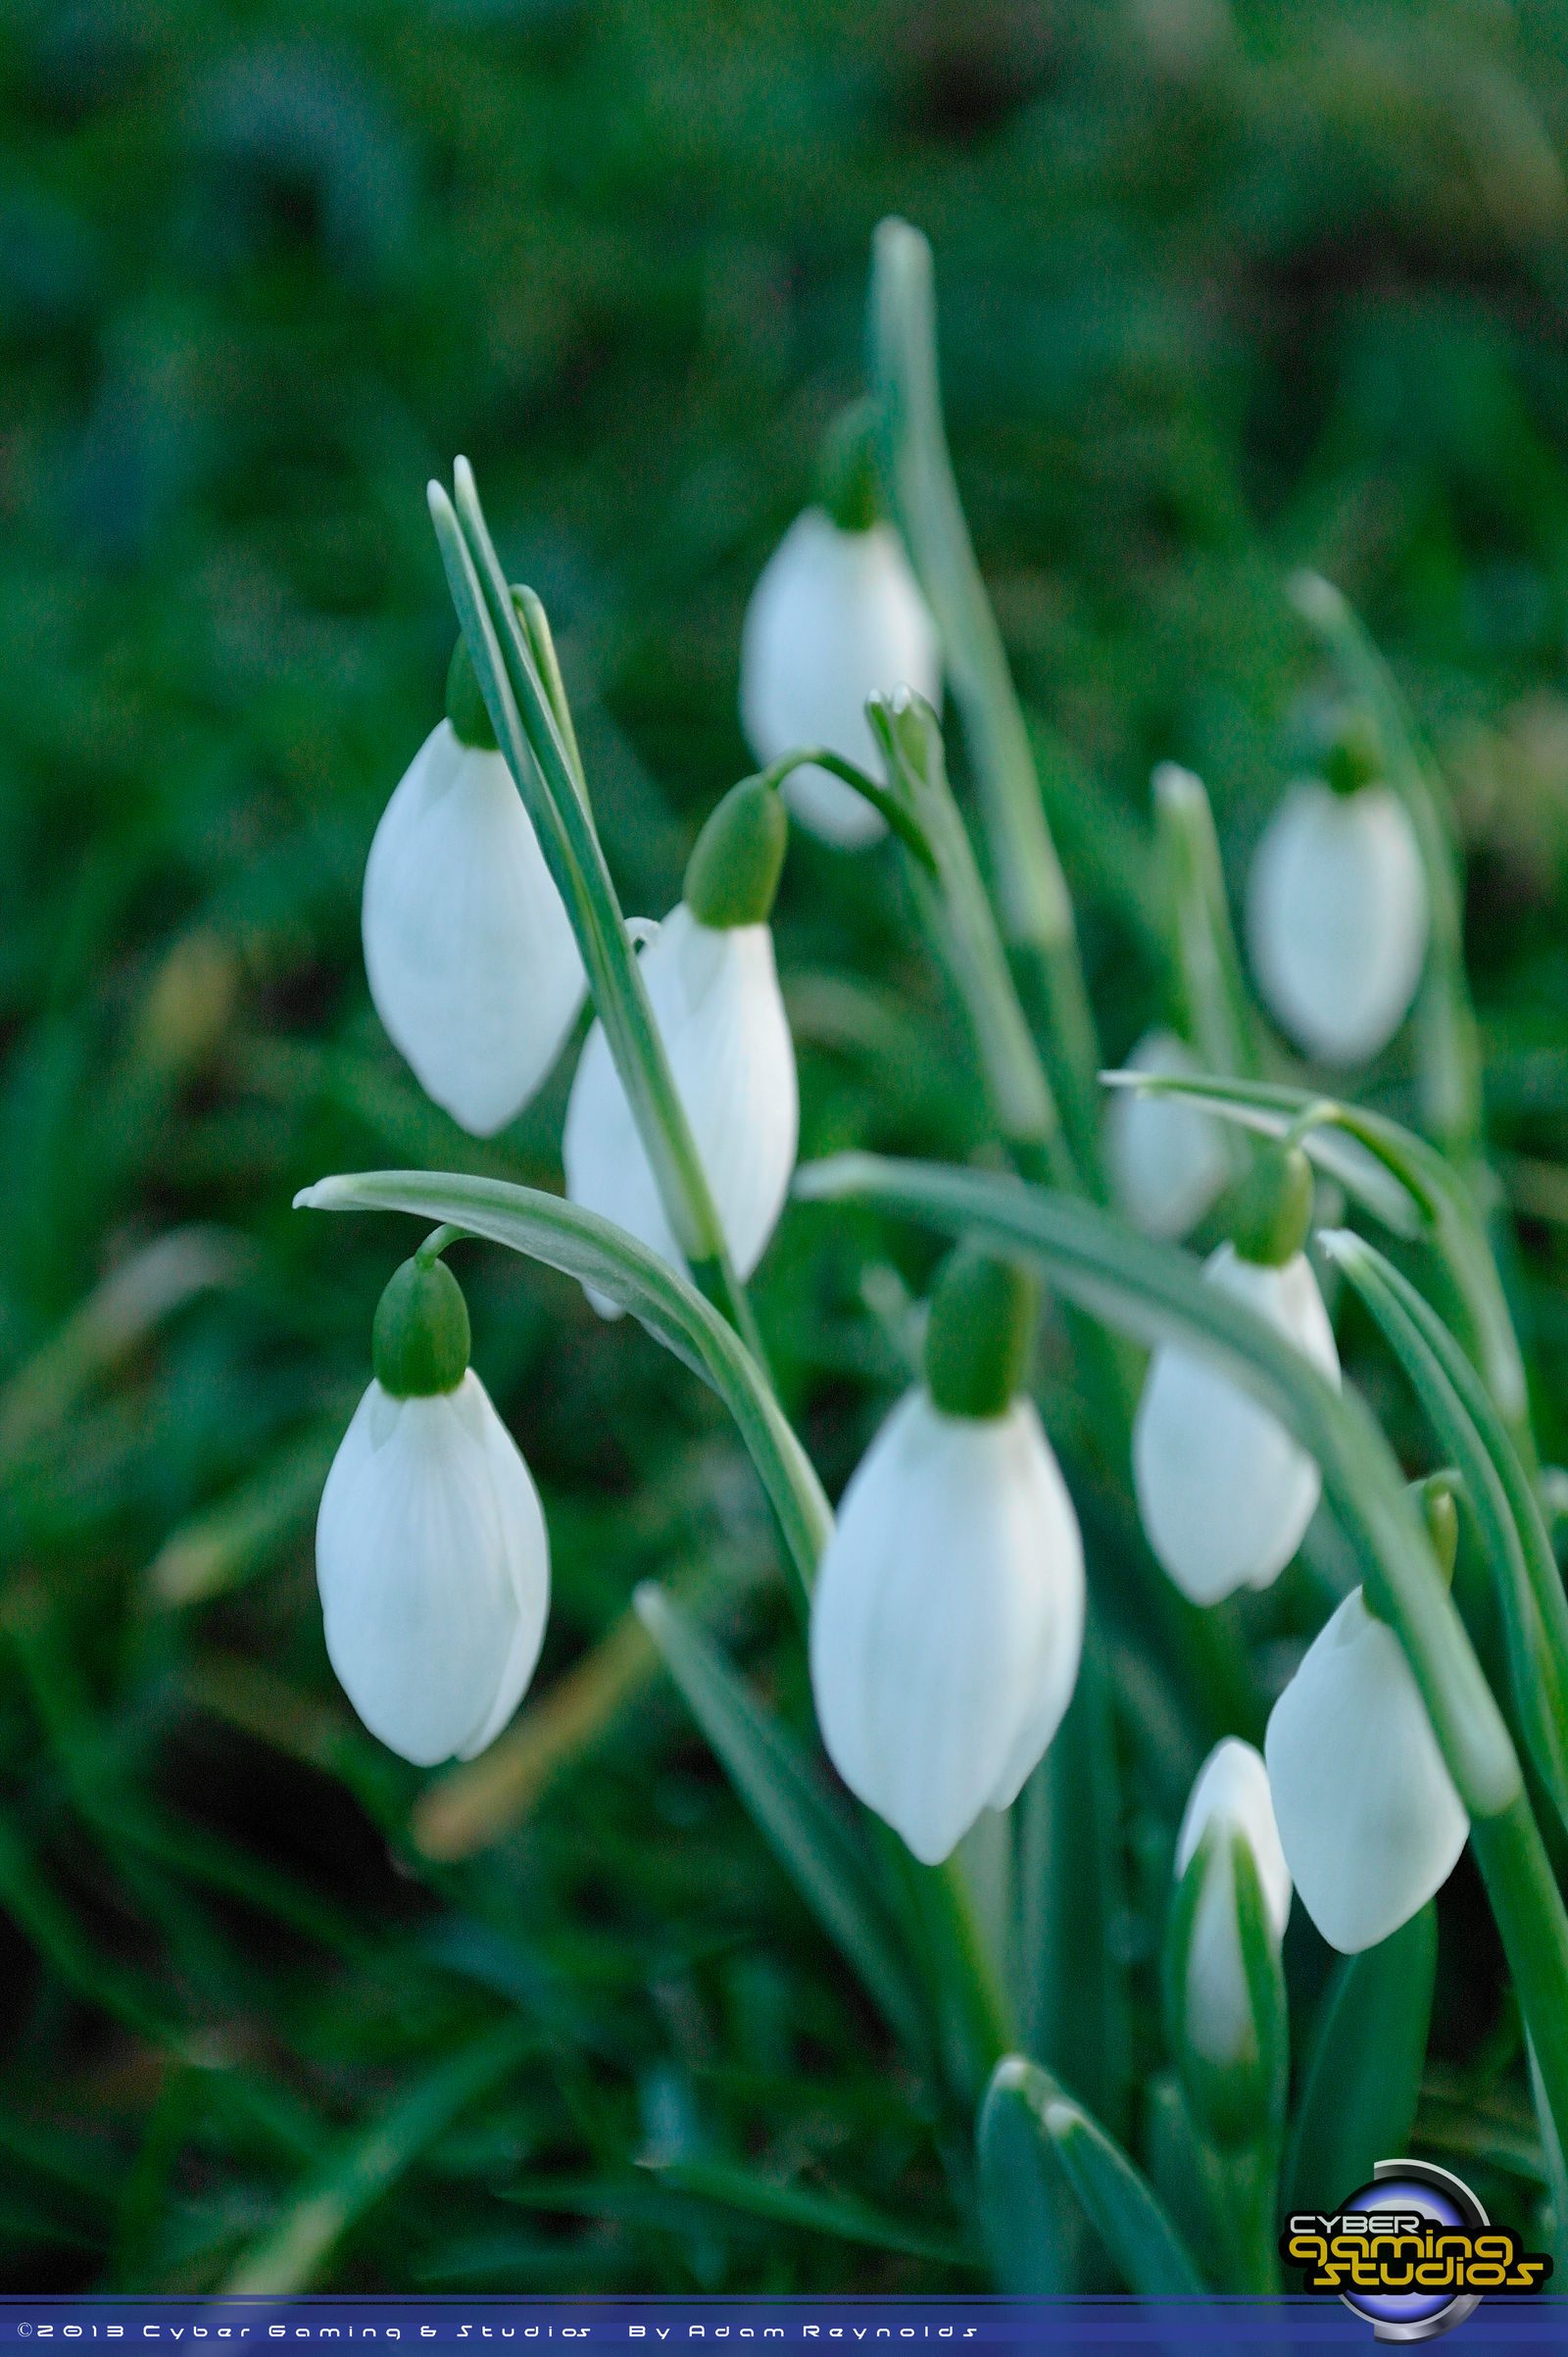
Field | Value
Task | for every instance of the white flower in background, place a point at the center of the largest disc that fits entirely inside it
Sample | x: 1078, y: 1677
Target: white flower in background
x: 1224, y: 1491
x: 946, y: 1620
x: 1231, y: 1793
x: 1168, y: 1162
x: 431, y: 1552
x: 1367, y: 1811
x: 1337, y: 918
x: 836, y: 616
x: 469, y: 951
x: 713, y: 989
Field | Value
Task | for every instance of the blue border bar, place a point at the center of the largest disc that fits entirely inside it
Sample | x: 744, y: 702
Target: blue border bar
x: 221, y: 2328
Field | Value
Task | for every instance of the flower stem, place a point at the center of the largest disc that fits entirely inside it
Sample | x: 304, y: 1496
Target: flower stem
x: 1528, y: 1910
x: 1036, y: 909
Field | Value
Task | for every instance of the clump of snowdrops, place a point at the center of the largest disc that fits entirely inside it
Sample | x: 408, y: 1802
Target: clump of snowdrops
x: 946, y: 1613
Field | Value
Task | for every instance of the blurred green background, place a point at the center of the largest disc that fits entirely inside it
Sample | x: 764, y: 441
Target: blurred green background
x: 1223, y: 290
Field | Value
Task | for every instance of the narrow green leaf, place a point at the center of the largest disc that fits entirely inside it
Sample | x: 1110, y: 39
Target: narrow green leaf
x: 1219, y: 1010
x: 1525, y: 1576
x: 1030, y: 2130
x: 582, y: 1244
x: 814, y: 1839
x: 1398, y: 1178
x: 1360, y: 2089
x: 838, y: 2214
x: 364, y: 2166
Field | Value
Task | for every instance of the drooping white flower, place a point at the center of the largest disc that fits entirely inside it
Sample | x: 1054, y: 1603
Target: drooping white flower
x: 1368, y: 1815
x: 720, y: 1014
x: 431, y: 1552
x: 1231, y: 1793
x: 1168, y: 1162
x: 835, y: 617
x: 1224, y: 1491
x: 946, y: 1620
x: 1337, y: 918
x: 469, y: 951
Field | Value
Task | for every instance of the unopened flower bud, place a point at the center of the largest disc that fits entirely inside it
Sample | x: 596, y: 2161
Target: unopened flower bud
x: 431, y: 1552
x: 1368, y: 1815
x: 1224, y: 1985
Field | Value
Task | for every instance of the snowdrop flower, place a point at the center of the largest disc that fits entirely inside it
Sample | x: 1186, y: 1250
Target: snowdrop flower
x: 836, y: 616
x: 716, y: 998
x: 1224, y: 1492
x: 469, y: 951
x: 1367, y: 1811
x: 1168, y: 1162
x: 431, y: 1552
x: 946, y: 1620
x: 1337, y: 916
x: 1216, y: 2006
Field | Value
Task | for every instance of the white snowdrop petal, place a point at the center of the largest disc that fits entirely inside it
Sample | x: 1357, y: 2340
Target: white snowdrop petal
x: 835, y: 617
x: 720, y: 1014
x: 469, y: 951
x: 1224, y: 1492
x: 1231, y: 1790
x: 947, y: 1619
x: 1368, y: 1815
x: 1217, y: 2016
x: 1168, y: 1162
x: 1337, y: 918
x: 433, y: 1566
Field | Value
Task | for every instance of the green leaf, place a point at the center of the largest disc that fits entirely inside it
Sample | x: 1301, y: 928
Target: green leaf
x: 582, y: 1244
x: 1033, y: 2141
x: 838, y: 2214
x: 1358, y: 2093
x: 1158, y: 1294
x: 813, y: 1836
x: 1219, y: 1010
x: 1518, y: 1551
x: 1398, y: 1178
x: 362, y: 2167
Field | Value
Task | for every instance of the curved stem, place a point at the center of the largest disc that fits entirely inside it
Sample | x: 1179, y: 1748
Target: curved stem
x: 820, y: 757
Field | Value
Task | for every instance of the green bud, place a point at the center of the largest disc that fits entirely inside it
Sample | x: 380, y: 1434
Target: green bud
x: 847, y: 471
x: 471, y: 722
x: 1354, y: 758
x: 733, y: 872
x: 1239, y: 2101
x: 1271, y: 1214
x: 419, y: 1342
x: 1440, y: 1514
x: 977, y: 1341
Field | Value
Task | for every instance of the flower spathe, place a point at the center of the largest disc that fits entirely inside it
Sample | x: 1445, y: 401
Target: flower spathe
x: 1337, y: 918
x: 1231, y: 1792
x: 433, y: 1564
x: 835, y: 617
x: 1224, y: 1492
x: 1368, y: 1815
x: 469, y: 951
x: 946, y: 1620
x: 1167, y: 1159
x: 721, y: 1012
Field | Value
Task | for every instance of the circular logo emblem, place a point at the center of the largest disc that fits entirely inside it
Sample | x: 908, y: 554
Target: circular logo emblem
x: 1446, y: 2201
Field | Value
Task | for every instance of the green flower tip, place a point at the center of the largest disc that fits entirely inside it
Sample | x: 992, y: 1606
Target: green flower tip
x: 1354, y: 758
x: 977, y: 1341
x: 1442, y: 1517
x: 471, y: 722
x: 1272, y: 1214
x: 733, y: 872
x: 847, y: 469
x: 419, y: 1342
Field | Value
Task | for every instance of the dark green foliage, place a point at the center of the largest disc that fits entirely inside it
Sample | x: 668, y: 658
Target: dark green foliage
x: 1217, y: 300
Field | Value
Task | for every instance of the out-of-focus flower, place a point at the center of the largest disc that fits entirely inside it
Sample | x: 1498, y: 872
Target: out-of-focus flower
x: 1368, y: 1816
x: 836, y: 616
x: 1337, y: 918
x: 469, y: 951
x: 714, y: 988
x: 1169, y: 1161
x: 1224, y: 1492
x: 947, y: 1621
x: 431, y: 1551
